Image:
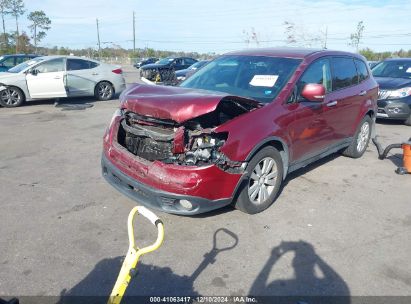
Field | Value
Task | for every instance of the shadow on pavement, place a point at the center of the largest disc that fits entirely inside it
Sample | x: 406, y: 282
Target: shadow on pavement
x: 150, y: 280
x: 313, y: 277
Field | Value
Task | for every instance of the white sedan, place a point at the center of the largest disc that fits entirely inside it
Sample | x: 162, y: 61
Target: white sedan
x: 59, y: 76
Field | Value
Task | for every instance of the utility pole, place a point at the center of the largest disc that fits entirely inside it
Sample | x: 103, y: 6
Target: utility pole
x: 326, y: 37
x: 134, y: 33
x: 98, y: 39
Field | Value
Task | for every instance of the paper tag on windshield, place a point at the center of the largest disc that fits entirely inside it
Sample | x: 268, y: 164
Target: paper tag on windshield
x: 264, y: 80
x: 408, y: 70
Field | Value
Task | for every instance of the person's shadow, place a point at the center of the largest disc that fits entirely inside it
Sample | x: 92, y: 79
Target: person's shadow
x: 313, y: 278
x: 150, y: 280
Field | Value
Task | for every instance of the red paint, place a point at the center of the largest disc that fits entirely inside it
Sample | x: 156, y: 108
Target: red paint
x: 304, y: 127
x: 175, y: 103
x: 313, y: 92
x: 178, y: 146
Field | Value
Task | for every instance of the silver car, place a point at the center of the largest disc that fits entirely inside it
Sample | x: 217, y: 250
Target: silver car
x: 59, y: 76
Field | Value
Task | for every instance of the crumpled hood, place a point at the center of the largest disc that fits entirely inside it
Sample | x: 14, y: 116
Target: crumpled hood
x: 175, y: 103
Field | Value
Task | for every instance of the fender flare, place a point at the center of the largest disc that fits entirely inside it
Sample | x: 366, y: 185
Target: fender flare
x: 284, y: 152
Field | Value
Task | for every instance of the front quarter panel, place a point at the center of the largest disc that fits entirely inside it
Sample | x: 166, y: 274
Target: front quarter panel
x: 17, y: 80
x: 248, y: 132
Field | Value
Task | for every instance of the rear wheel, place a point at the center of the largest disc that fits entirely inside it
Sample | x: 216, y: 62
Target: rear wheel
x: 265, y: 175
x: 361, y: 139
x: 11, y: 97
x: 104, y: 90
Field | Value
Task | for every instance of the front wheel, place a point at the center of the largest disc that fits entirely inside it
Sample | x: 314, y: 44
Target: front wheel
x: 11, y: 97
x: 104, y: 91
x: 263, y: 182
x: 408, y: 121
x: 361, y: 139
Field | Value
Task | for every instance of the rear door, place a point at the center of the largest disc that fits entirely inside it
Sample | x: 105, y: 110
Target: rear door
x: 48, y: 81
x: 81, y: 76
x: 344, y: 101
x: 309, y: 131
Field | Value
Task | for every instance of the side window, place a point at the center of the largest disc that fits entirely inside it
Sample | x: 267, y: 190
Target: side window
x: 8, y: 62
x: 53, y: 65
x: 79, y: 64
x: 344, y: 72
x: 20, y: 60
x: 189, y: 61
x: 178, y: 61
x: 362, y: 70
x: 318, y: 72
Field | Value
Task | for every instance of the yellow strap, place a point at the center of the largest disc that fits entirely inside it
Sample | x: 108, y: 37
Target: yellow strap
x: 134, y: 253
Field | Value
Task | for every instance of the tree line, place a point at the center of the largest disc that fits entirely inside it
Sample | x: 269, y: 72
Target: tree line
x: 15, y: 41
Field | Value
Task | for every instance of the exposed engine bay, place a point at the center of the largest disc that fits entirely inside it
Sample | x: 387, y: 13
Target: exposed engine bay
x: 193, y: 142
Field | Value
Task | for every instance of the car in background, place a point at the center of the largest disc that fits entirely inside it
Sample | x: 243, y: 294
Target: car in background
x: 9, y: 61
x: 59, y: 76
x: 151, y: 71
x: 231, y: 133
x: 394, y: 95
x: 183, y: 74
x: 372, y: 63
x: 145, y: 61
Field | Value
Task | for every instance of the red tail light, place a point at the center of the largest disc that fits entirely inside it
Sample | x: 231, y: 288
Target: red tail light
x: 118, y: 71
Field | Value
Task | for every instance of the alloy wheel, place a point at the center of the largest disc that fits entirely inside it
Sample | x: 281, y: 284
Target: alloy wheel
x: 104, y: 90
x: 10, y: 97
x: 363, y: 136
x: 262, y: 180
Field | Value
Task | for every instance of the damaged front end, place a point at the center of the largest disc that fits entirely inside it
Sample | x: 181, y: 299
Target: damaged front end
x: 194, y: 142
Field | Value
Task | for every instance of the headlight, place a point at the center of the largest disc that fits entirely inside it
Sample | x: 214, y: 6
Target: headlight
x: 181, y: 78
x: 400, y: 93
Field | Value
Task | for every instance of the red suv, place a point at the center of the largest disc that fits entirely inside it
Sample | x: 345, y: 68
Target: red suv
x: 231, y: 133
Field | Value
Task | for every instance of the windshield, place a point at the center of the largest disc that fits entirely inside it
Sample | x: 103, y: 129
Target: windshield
x: 256, y: 77
x: 165, y: 61
x: 25, y: 65
x: 394, y: 69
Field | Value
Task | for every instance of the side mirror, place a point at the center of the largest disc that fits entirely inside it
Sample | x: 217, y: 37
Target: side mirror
x: 313, y: 92
x: 34, y: 72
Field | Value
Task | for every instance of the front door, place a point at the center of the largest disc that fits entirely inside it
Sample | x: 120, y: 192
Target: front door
x: 47, y: 79
x: 309, y: 131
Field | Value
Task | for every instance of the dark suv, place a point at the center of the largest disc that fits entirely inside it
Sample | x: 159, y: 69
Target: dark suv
x: 232, y: 132
x: 394, y: 96
x: 9, y: 61
x: 150, y: 71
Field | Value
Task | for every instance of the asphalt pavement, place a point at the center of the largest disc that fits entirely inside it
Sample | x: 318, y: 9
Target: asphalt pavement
x: 340, y: 226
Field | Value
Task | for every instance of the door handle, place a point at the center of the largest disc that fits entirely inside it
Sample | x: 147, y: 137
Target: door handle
x: 362, y: 93
x: 57, y: 77
x: 332, y: 103
x: 94, y: 74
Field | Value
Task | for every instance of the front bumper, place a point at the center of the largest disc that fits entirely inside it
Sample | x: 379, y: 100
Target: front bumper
x: 155, y: 198
x: 394, y: 108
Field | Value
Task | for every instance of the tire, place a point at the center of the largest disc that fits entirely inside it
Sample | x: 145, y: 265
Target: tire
x: 104, y: 91
x: 408, y: 121
x: 12, y: 97
x: 361, y: 139
x: 251, y: 198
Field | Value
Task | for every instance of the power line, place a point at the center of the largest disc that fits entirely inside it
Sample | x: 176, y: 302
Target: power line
x: 98, y: 39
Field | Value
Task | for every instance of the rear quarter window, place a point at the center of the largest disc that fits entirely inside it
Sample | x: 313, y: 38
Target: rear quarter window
x: 344, y: 72
x: 361, y: 69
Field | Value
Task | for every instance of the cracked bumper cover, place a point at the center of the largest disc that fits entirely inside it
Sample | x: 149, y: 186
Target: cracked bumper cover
x: 161, y: 187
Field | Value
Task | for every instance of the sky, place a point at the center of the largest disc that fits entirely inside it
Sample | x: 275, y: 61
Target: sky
x: 220, y: 25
